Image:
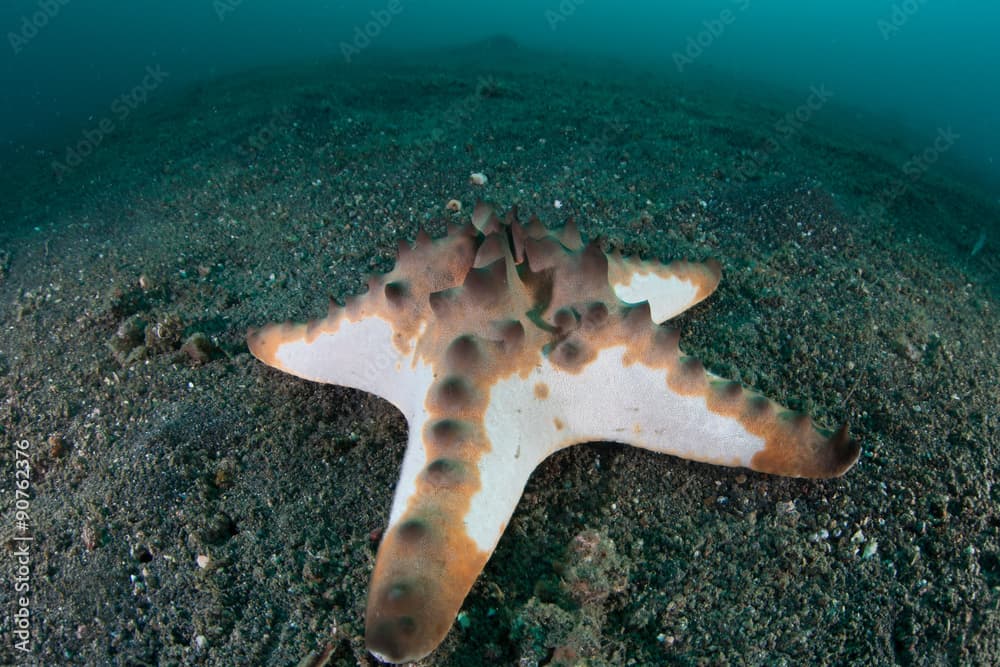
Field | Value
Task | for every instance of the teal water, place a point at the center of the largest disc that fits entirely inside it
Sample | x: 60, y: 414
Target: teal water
x: 928, y: 66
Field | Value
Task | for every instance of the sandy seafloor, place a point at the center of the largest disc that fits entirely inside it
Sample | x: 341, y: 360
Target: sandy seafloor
x: 256, y: 198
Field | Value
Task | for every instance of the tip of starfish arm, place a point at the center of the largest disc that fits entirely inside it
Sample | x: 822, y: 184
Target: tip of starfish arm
x: 264, y: 341
x: 842, y: 451
x: 797, y: 448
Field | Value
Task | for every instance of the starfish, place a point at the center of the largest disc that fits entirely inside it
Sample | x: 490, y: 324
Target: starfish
x: 502, y: 343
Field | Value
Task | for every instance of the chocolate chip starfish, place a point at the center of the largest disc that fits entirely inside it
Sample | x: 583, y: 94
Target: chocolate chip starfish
x: 502, y: 343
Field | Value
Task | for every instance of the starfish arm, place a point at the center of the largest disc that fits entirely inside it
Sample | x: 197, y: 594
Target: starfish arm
x: 670, y: 289
x: 457, y: 490
x: 669, y: 404
x: 359, y: 353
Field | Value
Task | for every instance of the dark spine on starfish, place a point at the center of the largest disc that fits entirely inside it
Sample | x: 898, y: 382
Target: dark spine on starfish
x: 485, y: 287
x: 485, y: 219
x: 664, y: 347
x: 569, y: 236
x: 403, y: 250
x: 443, y: 303
x: 595, y: 316
x: 455, y: 395
x: 490, y: 250
x: 536, y: 229
x: 725, y: 397
x: 759, y: 408
x: 511, y: 217
x: 455, y: 439
x: 572, y: 354
x: 511, y: 333
x: 565, y: 320
x: 517, y: 237
x: 542, y: 253
x: 593, y: 268
x: 396, y: 293
x: 464, y: 354
x: 637, y: 320
x: 690, y: 379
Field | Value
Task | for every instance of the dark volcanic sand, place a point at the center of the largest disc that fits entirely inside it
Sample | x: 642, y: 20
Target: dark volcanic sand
x: 256, y: 198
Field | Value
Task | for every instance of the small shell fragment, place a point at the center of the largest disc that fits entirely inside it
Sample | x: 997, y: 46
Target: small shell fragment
x: 478, y: 178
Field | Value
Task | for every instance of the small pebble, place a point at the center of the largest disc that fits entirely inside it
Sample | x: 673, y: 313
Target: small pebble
x: 870, y: 549
x: 56, y: 446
